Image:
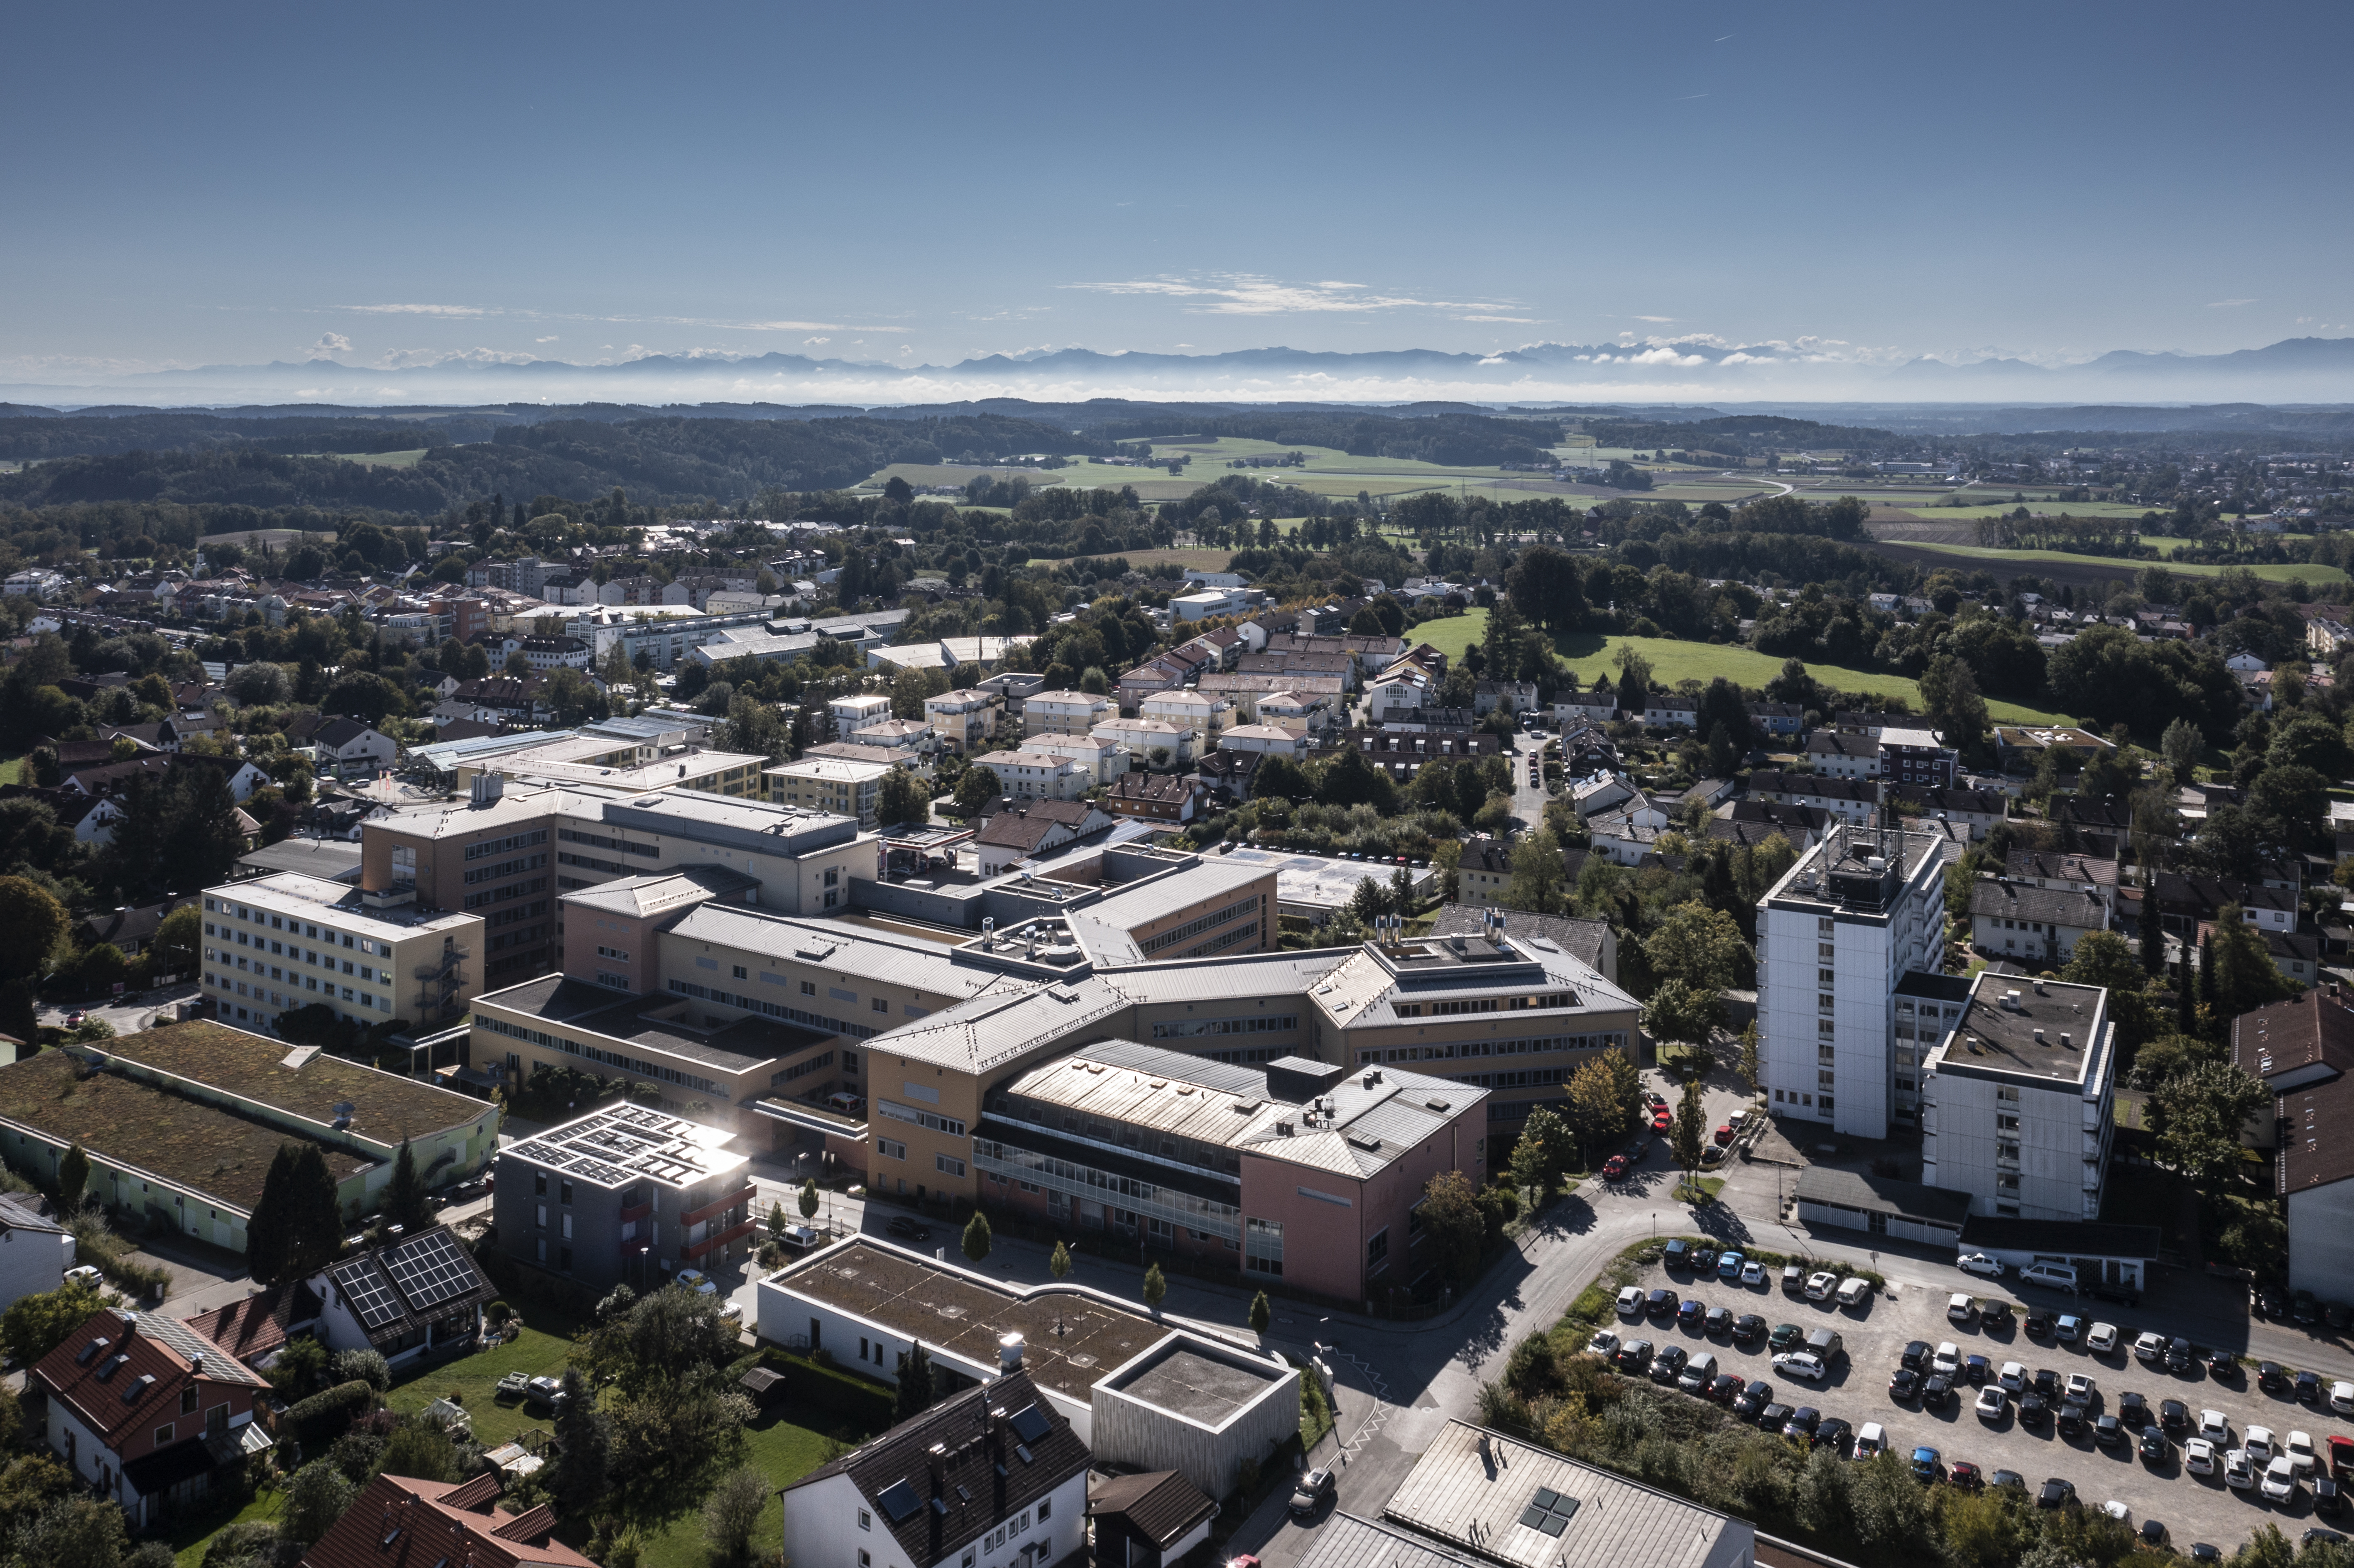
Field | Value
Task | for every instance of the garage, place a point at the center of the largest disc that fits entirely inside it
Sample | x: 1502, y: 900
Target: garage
x: 1882, y: 1206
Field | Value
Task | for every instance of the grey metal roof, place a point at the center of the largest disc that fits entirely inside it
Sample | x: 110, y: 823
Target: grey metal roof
x: 1363, y: 992
x: 1007, y: 1021
x: 641, y: 895
x: 871, y: 955
x: 1580, y: 940
x: 1479, y: 1490
x: 1224, y: 979
x: 1880, y: 1194
x: 1998, y: 899
x: 1106, y: 928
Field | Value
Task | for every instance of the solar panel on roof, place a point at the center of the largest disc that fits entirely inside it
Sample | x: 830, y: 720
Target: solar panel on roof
x: 430, y: 1269
x: 545, y: 1154
x: 598, y: 1170
x: 368, y: 1290
x: 900, y: 1501
x: 1030, y: 1426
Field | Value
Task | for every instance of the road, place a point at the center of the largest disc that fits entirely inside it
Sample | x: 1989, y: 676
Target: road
x: 129, y: 1013
x: 1527, y: 799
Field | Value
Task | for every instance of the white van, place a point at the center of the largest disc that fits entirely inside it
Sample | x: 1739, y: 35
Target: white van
x: 2052, y: 1276
x: 1854, y: 1292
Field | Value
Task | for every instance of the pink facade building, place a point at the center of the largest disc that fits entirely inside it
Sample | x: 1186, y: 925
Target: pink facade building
x: 1303, y: 1171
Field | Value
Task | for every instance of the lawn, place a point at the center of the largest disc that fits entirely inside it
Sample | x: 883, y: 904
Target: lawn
x: 2279, y: 573
x: 12, y: 767
x: 375, y: 459
x: 1451, y: 634
x: 784, y: 1453
x: 541, y: 1349
x: 1672, y: 661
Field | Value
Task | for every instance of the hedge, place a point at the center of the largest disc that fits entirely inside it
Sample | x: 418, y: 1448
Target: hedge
x: 859, y: 1404
x: 329, y: 1412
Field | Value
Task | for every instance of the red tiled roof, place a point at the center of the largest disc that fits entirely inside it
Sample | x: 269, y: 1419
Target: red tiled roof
x: 95, y: 1380
x: 253, y: 1327
x: 399, y: 1522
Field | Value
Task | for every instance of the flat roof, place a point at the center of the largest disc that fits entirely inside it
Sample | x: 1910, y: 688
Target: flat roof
x: 122, y: 1121
x: 1104, y: 928
x: 1994, y: 1038
x: 1526, y: 1507
x: 1345, y: 1540
x: 1211, y: 1390
x: 1316, y: 881
x: 1070, y: 1340
x: 655, y: 1022
x: 657, y: 890
x: 1838, y: 874
x: 621, y: 1144
x: 331, y: 860
x: 299, y: 1081
x: 1880, y: 1194
x: 300, y: 896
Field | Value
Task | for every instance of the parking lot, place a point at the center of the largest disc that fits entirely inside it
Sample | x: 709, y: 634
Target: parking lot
x: 1877, y: 1330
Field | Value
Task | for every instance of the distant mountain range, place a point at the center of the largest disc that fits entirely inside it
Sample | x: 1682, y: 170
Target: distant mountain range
x: 2295, y: 370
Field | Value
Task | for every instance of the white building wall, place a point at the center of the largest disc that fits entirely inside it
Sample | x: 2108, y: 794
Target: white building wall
x: 1964, y: 1135
x: 31, y: 1263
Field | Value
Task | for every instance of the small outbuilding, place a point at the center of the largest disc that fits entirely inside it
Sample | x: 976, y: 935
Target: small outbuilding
x: 1148, y: 1521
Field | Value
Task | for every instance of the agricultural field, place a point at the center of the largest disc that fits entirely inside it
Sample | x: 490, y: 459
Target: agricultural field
x: 276, y: 539
x: 955, y: 476
x: 375, y: 459
x: 2020, y: 562
x: 1179, y: 559
x: 1934, y: 511
x: 1673, y: 661
x: 1452, y: 634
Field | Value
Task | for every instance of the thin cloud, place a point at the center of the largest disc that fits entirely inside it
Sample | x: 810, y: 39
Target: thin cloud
x: 2228, y: 304
x: 329, y: 344
x: 420, y: 310
x: 1249, y: 294
x: 1658, y: 319
x: 1514, y: 320
x: 1688, y: 97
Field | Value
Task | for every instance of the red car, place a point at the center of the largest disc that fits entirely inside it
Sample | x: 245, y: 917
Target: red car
x: 2341, y: 1455
x: 1662, y: 1122
x: 1724, y: 1134
x: 1614, y: 1168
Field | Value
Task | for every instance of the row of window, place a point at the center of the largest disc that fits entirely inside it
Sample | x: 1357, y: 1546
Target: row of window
x: 1485, y: 1004
x: 521, y: 863
x: 1028, y: 1163
x: 817, y: 1063
x: 775, y: 1010
x: 372, y: 1001
x: 931, y: 1120
x: 592, y: 1054
x: 573, y: 835
x: 483, y: 849
x: 292, y: 954
x: 291, y: 926
x: 1167, y: 939
x: 512, y: 890
x: 1467, y: 1050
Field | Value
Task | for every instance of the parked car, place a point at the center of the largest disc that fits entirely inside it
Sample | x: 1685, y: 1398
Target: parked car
x: 1728, y: 1265
x: 1660, y: 1304
x: 2215, y: 1426
x: 1604, y: 1344
x: 1965, y: 1474
x: 2298, y: 1446
x: 2056, y: 1493
x: 2080, y: 1390
x: 1948, y: 1359
x: 1871, y: 1438
x: 1854, y: 1292
x: 1802, y: 1423
x: 1926, y: 1466
x: 908, y: 1230
x: 1936, y: 1392
x: 1977, y: 1369
x: 1961, y: 1309
x: 695, y: 1280
x: 1993, y: 1403
x: 1801, y: 1364
x: 2039, y: 1323
x: 2198, y: 1457
x: 1785, y: 1337
x: 2174, y: 1415
x: 1753, y: 1274
x: 2155, y: 1448
x: 1747, y: 1326
x: 2012, y: 1377
x: 2308, y: 1388
x: 1630, y: 1301
x: 1979, y: 1263
x: 1725, y: 1388
x: 1995, y: 1317
x: 1723, y: 1134
x: 1634, y: 1355
x: 1614, y: 1168
x: 2067, y: 1328
x: 2101, y: 1340
x: 1718, y: 1321
x: 1689, y: 1311
x: 2279, y: 1484
x: 1916, y: 1351
x: 1667, y: 1363
x: 1820, y: 1284
x: 1834, y: 1434
x: 1755, y: 1397
x: 1315, y: 1488
x: 2133, y: 1409
x: 2150, y: 1347
x: 2239, y: 1470
x: 1905, y: 1384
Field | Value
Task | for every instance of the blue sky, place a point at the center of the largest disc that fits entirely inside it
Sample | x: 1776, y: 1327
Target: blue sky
x: 912, y: 184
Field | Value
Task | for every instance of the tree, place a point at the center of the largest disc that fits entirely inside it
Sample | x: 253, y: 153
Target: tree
x: 584, y: 1439
x: 1699, y: 946
x: 1156, y: 1287
x: 1543, y: 1150
x: 1747, y: 1066
x: 2181, y: 744
x: 1544, y: 587
x: 976, y: 1236
x: 32, y: 926
x: 901, y: 799
x: 315, y: 1499
x: 298, y: 1225
x: 1949, y: 694
x: 1451, y: 1218
x: 1681, y: 1015
x: 406, y: 1202
x: 174, y: 951
x: 1689, y: 1132
x: 35, y: 1325
x: 75, y: 1533
x: 2199, y: 1114
x: 74, y: 1178
x: 809, y: 1199
x: 1539, y: 876
x: 1261, y: 1313
x: 916, y: 1391
x: 2245, y: 976
x: 1059, y: 1264
x: 777, y: 1222
x: 732, y: 1510
x: 976, y: 789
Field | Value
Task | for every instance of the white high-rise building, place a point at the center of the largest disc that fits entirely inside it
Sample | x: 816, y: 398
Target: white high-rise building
x: 1836, y: 938
x: 2019, y: 1103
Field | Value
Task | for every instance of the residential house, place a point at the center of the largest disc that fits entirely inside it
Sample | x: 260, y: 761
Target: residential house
x: 1849, y: 799
x: 1104, y: 760
x: 964, y: 720
x: 1148, y: 1521
x: 2036, y: 925
x: 1513, y: 696
x: 1143, y: 738
x: 147, y: 1412
x: 413, y: 1300
x: 1671, y: 710
x: 1155, y: 797
x: 402, y: 1522
x: 830, y: 784
x: 1269, y: 739
x: 35, y: 1250
x: 1601, y: 792
x: 1065, y: 713
x: 1916, y: 757
x: 344, y: 747
x: 1980, y: 810
x: 1782, y: 721
x: 2020, y: 747
x: 1753, y: 821
x: 994, y: 1477
x: 2303, y: 1051
x: 1031, y: 827
x: 1596, y: 705
x: 1839, y: 754
x: 1200, y: 714
x: 2058, y: 869
x: 1030, y: 774
x: 2184, y: 900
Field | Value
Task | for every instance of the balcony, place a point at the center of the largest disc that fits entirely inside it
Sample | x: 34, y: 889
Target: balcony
x: 718, y: 1206
x: 637, y: 1210
x: 693, y: 1251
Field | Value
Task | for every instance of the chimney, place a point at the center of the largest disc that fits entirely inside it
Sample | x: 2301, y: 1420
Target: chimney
x: 1009, y: 1352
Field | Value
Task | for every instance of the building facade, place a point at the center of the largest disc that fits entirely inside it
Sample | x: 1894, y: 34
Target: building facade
x: 625, y: 1196
x: 2018, y: 1100
x: 1835, y: 936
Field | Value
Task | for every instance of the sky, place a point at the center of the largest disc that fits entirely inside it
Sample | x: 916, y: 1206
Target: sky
x: 920, y: 184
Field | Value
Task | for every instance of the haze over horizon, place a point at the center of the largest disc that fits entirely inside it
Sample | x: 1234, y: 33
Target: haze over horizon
x: 1728, y: 208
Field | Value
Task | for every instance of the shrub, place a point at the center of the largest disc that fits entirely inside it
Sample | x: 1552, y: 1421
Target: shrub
x: 246, y: 1541
x: 363, y: 1366
x: 497, y: 1313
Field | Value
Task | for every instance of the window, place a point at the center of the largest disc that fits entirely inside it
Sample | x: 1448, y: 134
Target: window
x: 947, y: 1166
x: 1377, y: 1251
x: 1045, y: 1509
x: 866, y: 1520
x: 739, y: 972
x: 188, y: 1400
x: 1825, y: 977
x: 880, y: 1005
x: 890, y: 1148
x: 540, y: 1210
x: 1825, y: 1055
x: 164, y: 1435
x: 566, y: 1222
x: 1262, y: 1245
x: 564, y: 1192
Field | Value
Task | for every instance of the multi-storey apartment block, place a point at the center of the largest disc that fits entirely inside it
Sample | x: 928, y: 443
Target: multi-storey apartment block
x: 2017, y: 1099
